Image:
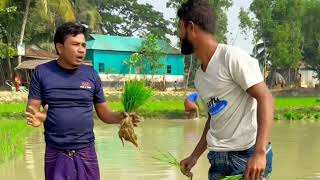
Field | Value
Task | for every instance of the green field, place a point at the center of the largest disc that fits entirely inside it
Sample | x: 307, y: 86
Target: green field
x: 172, y: 106
x: 13, y: 135
x: 297, y: 102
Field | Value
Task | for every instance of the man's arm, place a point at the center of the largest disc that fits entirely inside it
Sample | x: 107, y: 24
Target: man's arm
x: 106, y: 115
x: 265, y: 111
x: 202, y: 144
x: 187, y: 164
x: 264, y: 115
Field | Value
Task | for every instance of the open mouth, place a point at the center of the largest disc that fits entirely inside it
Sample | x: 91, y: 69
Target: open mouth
x: 80, y: 58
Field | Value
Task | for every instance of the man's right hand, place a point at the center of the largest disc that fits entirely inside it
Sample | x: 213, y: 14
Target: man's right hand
x: 34, y: 118
x: 187, y: 164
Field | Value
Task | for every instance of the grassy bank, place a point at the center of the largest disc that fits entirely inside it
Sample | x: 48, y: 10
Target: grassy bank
x: 13, y: 136
x: 297, y: 102
x: 171, y: 107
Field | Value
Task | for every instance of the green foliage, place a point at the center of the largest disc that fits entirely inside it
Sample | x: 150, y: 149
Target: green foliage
x: 277, y: 117
x: 127, y: 18
x: 87, y: 12
x: 220, y: 8
x: 151, y: 52
x: 3, y: 4
x: 316, y: 116
x: 293, y: 116
x: 62, y: 7
x: 7, y: 51
x: 133, y: 61
x: 278, y: 24
x: 13, y: 136
x: 311, y: 33
x: 135, y: 95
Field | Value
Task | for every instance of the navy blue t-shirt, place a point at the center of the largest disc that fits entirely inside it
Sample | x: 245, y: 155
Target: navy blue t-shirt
x: 70, y: 95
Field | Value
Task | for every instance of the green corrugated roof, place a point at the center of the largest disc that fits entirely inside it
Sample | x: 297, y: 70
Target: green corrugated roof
x: 122, y: 43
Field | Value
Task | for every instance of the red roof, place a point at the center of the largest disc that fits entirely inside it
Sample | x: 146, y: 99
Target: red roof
x: 35, y: 52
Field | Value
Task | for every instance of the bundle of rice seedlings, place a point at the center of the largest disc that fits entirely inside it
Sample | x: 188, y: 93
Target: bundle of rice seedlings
x: 135, y: 95
x: 235, y: 177
x: 169, y: 159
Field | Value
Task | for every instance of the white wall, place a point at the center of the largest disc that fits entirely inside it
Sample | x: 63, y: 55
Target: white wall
x: 156, y: 78
x: 307, y: 79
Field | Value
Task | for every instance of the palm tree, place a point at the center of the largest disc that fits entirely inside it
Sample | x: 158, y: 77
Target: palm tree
x: 24, y: 22
x: 64, y: 8
x: 3, y: 4
x: 88, y: 13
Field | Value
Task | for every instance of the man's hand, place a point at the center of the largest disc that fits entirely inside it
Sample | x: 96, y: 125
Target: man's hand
x: 255, y: 167
x: 187, y: 164
x: 35, y: 118
x: 135, y: 118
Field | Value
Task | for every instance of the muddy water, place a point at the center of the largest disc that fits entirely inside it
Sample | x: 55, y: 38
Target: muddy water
x: 296, y: 148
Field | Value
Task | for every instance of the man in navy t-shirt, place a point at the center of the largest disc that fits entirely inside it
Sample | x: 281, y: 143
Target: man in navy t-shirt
x: 70, y: 89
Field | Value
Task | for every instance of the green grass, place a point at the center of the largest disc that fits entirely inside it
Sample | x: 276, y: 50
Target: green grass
x: 14, y: 107
x: 296, y: 102
x: 172, y: 107
x: 13, y: 137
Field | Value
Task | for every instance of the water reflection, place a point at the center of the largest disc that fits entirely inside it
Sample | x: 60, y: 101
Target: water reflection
x: 296, y: 148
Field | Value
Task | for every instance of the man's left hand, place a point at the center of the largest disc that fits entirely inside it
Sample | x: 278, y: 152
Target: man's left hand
x: 255, y: 167
x: 135, y: 118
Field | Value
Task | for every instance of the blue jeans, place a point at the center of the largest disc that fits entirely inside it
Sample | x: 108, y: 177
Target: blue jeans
x: 234, y: 163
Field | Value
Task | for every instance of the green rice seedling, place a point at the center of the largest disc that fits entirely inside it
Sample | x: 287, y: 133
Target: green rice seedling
x: 235, y: 177
x: 13, y: 136
x: 169, y: 159
x: 135, y: 95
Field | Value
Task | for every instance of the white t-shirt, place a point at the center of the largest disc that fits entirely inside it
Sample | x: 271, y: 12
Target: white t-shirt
x: 233, y: 124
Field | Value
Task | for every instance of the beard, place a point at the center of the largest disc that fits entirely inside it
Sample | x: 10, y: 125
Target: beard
x: 186, y: 47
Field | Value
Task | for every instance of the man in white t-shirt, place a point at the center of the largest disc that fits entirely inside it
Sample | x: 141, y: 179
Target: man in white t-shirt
x: 239, y: 104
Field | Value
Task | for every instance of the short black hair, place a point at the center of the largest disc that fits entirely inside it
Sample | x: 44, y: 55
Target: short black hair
x: 200, y: 12
x: 69, y: 28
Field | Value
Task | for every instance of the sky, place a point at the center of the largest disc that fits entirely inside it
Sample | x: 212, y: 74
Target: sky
x: 235, y: 37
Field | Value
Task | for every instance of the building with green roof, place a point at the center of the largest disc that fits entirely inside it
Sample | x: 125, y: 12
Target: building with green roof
x: 109, y: 53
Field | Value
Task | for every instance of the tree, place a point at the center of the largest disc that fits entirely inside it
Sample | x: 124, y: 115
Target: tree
x: 128, y: 18
x: 132, y: 62
x: 23, y: 27
x: 63, y: 7
x: 277, y: 24
x: 3, y: 4
x: 311, y: 34
x: 8, y: 35
x: 87, y: 12
x: 220, y: 8
x: 151, y: 52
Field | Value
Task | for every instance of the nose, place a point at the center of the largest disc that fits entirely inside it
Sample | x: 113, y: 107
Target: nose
x: 81, y: 49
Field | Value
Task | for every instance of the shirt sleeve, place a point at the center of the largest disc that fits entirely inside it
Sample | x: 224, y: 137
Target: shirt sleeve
x: 98, y: 96
x: 35, y: 89
x: 244, y: 69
